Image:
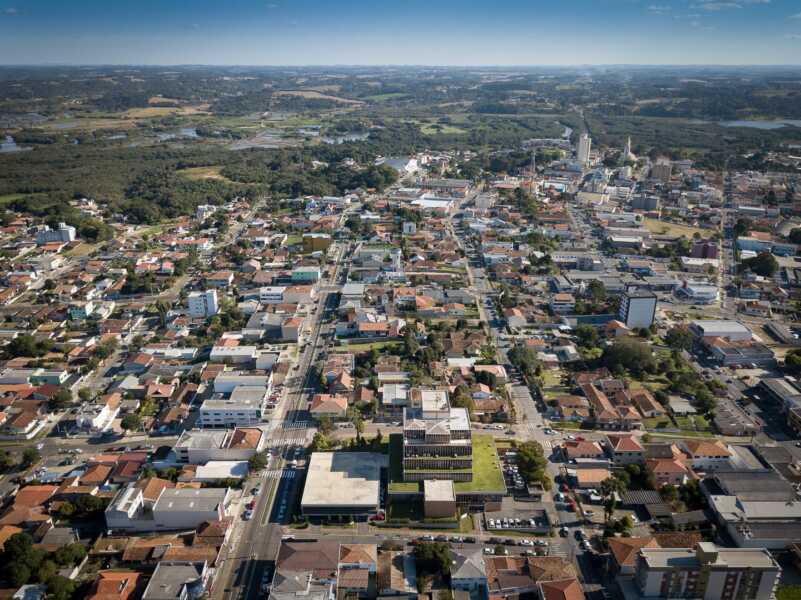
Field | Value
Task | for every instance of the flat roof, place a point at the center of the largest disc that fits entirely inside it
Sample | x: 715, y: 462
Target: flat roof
x: 351, y: 479
x: 720, y: 328
x: 438, y: 491
x: 184, y: 499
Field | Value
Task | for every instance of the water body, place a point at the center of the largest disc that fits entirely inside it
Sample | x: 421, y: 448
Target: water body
x: 9, y: 145
x: 762, y: 124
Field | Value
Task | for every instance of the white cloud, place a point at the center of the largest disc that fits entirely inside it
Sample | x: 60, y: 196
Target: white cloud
x: 659, y: 9
x: 717, y: 6
x: 796, y: 16
x: 11, y: 12
x: 792, y: 36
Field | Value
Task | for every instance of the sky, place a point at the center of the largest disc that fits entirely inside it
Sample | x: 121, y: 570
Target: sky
x: 404, y: 32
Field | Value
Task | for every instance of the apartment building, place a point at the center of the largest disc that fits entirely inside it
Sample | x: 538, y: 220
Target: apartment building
x: 708, y: 572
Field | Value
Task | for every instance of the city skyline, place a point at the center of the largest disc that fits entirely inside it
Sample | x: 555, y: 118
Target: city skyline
x: 449, y: 32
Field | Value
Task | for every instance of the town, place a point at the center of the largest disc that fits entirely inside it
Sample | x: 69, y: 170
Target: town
x: 573, y: 376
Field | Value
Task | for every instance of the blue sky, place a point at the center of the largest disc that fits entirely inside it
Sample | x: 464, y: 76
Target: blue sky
x: 434, y: 32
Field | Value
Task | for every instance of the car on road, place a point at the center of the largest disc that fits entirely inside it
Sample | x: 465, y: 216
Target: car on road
x: 564, y: 531
x: 248, y: 515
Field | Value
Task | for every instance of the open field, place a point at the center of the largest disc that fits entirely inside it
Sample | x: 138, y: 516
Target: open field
x: 202, y: 173
x: 658, y: 227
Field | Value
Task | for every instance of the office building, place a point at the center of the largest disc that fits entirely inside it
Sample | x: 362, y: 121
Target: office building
x: 637, y: 308
x: 343, y: 484
x: 583, y: 151
x: 662, y: 170
x: 203, y: 304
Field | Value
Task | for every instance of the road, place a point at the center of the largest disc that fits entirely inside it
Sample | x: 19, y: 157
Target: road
x: 252, y: 552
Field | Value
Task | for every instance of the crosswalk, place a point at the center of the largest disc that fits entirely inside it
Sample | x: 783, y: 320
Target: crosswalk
x: 296, y: 424
x: 280, y: 474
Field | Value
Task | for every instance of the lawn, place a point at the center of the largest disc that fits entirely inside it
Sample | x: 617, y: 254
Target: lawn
x: 673, y: 229
x: 357, y: 348
x: 10, y: 198
x: 441, y: 129
x: 203, y: 173
x: 487, y: 474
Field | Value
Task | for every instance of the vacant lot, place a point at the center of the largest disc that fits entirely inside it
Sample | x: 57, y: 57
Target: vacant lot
x: 658, y: 227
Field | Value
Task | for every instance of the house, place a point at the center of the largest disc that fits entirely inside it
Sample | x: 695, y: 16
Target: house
x: 625, y: 450
x: 668, y: 470
x: 115, y: 585
x: 706, y: 455
x: 561, y: 589
x: 177, y: 580
x: 583, y: 449
x: 562, y: 304
x: 334, y: 406
x: 468, y: 572
x: 646, y: 403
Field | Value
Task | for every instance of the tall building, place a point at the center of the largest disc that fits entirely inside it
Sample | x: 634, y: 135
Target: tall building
x: 708, y: 572
x: 203, y: 304
x: 583, y: 151
x: 627, y: 153
x: 63, y: 233
x: 637, y: 308
x: 662, y: 170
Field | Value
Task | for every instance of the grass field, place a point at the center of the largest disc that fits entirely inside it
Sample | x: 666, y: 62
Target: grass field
x: 82, y: 249
x: 357, y: 348
x: 202, y: 173
x: 10, y: 198
x: 441, y: 129
x: 658, y: 227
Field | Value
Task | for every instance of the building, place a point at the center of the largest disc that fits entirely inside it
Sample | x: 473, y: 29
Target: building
x: 200, y: 446
x: 305, y: 274
x: 343, y: 484
x: 316, y: 242
x: 203, y: 304
x: 733, y: 331
x: 583, y: 150
x: 704, y: 249
x: 246, y: 406
x: 563, y: 304
x: 662, y: 170
x: 174, y: 580
x: 437, y: 442
x: 468, y: 573
x: 708, y: 572
x: 439, y: 499
x: 175, y: 509
x: 63, y: 233
x: 637, y: 308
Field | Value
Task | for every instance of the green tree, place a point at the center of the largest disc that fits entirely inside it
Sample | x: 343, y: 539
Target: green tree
x: 6, y: 462
x: 30, y: 456
x: 433, y: 558
x: 764, y: 264
x: 70, y: 555
x: 792, y: 362
x: 66, y: 510
x: 60, y: 588
x: 258, y: 461
x: 61, y: 399
x: 320, y: 443
x: 131, y: 422
x: 629, y: 354
x: 679, y: 338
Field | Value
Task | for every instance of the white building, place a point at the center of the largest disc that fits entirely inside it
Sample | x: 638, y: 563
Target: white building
x: 246, y: 406
x: 637, y: 308
x: 175, y: 509
x: 226, y: 382
x: 203, y: 304
x: 236, y: 355
x: 64, y: 233
x: 273, y: 294
x: 200, y: 446
x: 98, y: 417
x: 583, y: 151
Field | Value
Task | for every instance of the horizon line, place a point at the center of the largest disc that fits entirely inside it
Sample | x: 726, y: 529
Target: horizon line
x: 404, y: 65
